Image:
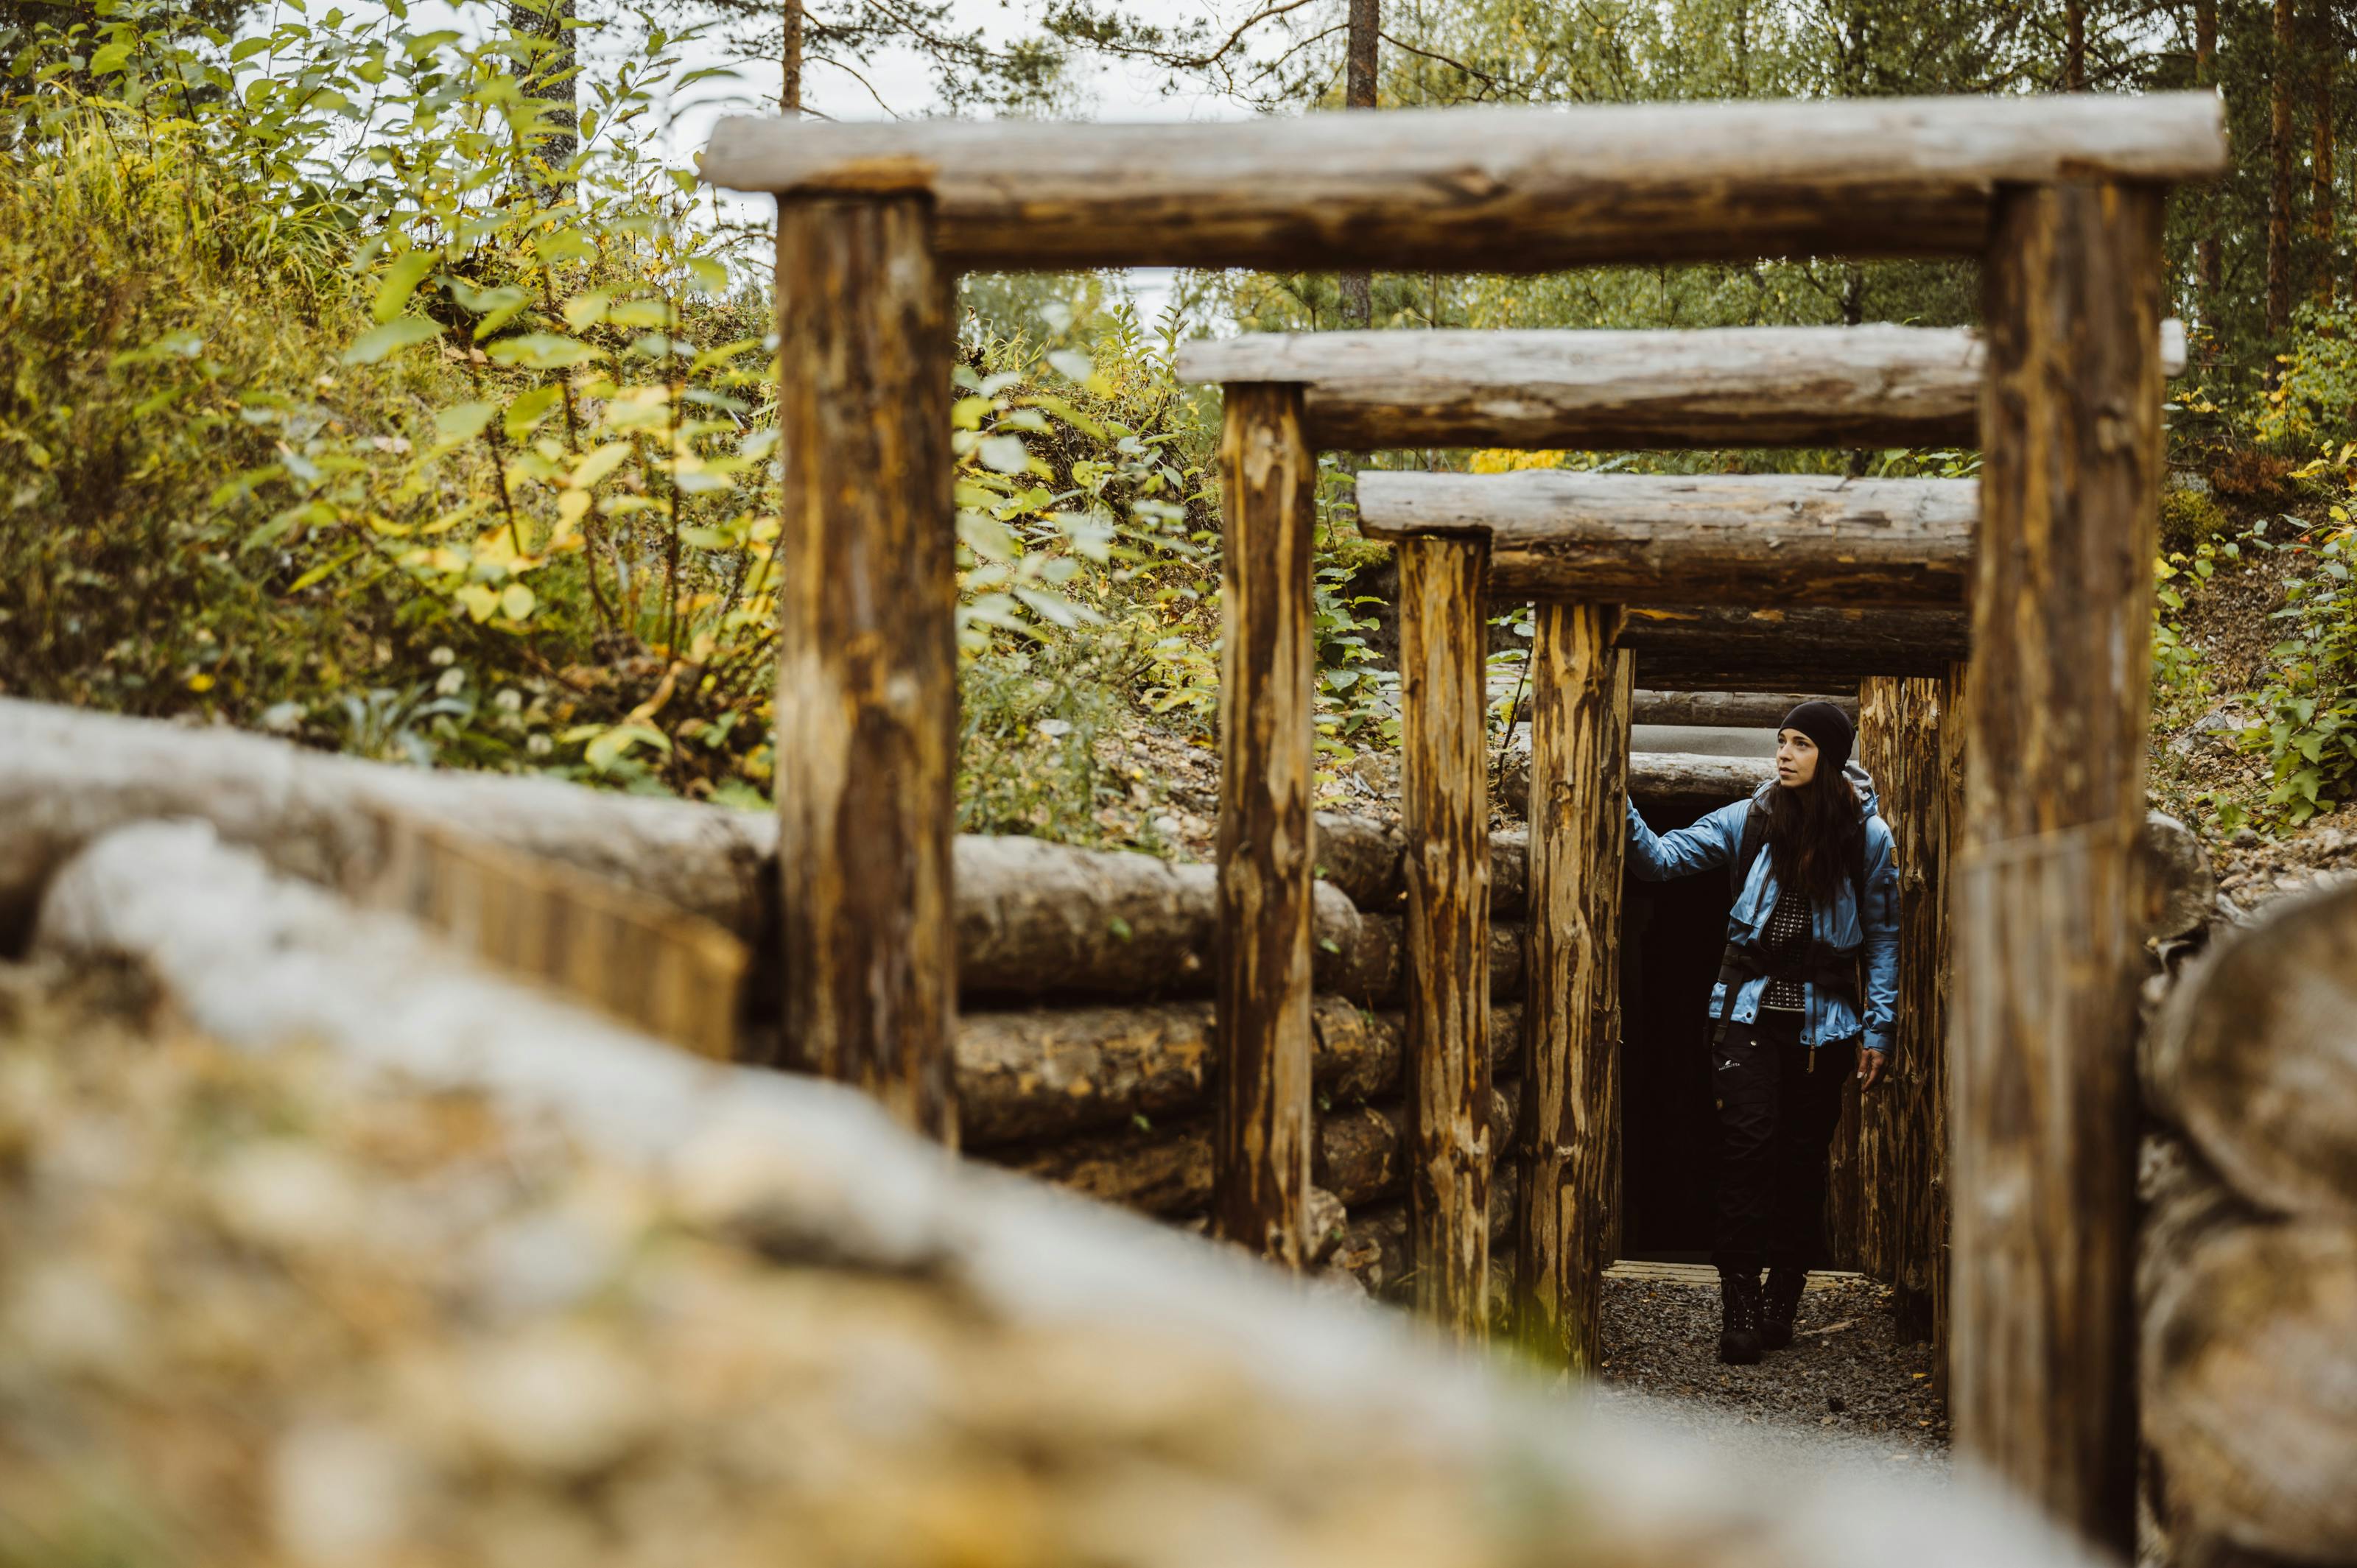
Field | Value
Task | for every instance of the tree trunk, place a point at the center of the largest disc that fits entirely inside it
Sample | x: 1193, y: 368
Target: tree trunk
x: 867, y: 702
x: 2320, y: 203
x: 2074, y: 46
x: 2279, y: 159
x: 2208, y: 265
x: 789, y: 89
x: 2042, y: 1047
x: 1444, y: 820
x: 555, y: 56
x: 1267, y: 768
x: 1568, y: 1155
x: 1359, y: 92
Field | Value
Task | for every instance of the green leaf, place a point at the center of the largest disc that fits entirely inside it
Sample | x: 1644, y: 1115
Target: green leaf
x: 709, y: 275
x: 598, y: 464
x: 543, y: 351
x: 401, y: 281
x: 517, y: 600
x: 640, y: 313
x: 986, y: 536
x: 1005, y: 453
x: 109, y: 58
x: 583, y: 311
x: 530, y: 409
x: 479, y: 602
x: 465, y: 421
x: 388, y: 338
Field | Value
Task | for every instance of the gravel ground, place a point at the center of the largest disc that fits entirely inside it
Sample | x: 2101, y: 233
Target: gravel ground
x: 1848, y: 1388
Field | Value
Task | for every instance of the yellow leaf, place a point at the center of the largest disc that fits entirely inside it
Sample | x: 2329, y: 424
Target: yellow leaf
x: 572, y: 507
x: 517, y: 599
x: 479, y: 601
x: 201, y: 681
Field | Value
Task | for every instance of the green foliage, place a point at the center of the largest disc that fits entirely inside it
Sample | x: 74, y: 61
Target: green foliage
x: 2310, y: 701
x: 2314, y: 400
x: 2188, y: 519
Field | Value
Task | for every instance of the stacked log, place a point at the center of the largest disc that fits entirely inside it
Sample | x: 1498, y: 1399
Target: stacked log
x: 2248, y: 1267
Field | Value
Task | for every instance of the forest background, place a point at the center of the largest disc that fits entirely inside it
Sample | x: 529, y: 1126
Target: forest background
x: 371, y: 376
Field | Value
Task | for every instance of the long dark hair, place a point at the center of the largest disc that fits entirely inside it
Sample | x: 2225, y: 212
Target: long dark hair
x: 1815, y: 833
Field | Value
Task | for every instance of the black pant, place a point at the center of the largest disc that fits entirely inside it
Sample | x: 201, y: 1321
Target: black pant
x: 1778, y: 1102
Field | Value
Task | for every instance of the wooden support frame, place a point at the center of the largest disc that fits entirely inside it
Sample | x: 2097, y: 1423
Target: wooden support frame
x: 1267, y: 767
x: 867, y: 702
x: 2063, y: 198
x: 2041, y: 1051
x: 1568, y: 1153
x: 1444, y: 819
x: 1740, y: 539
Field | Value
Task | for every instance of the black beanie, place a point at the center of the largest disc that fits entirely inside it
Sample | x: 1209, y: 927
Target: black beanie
x: 1828, y: 727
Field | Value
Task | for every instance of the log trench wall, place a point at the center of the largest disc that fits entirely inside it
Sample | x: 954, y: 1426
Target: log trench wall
x: 2061, y: 199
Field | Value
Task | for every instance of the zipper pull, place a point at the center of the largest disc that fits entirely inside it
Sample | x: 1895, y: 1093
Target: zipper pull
x: 1813, y: 1061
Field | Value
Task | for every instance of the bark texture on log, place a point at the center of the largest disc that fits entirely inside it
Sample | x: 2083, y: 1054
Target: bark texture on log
x: 1511, y: 188
x: 1746, y: 539
x: 1569, y: 1154
x: 1361, y: 1155
x: 1267, y: 873
x: 866, y: 704
x: 2041, y: 1054
x: 1903, y: 1125
x: 679, y: 977
x: 2256, y: 1058
x: 1444, y: 822
x: 2249, y: 1349
x: 1790, y: 649
x: 1729, y: 386
x: 1869, y: 386
x: 1726, y: 710
x: 1651, y: 775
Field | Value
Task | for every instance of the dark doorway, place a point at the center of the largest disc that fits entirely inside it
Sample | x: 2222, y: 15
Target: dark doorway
x: 1672, y: 936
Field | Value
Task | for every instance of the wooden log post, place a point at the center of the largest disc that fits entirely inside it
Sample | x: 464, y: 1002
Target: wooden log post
x: 1266, y: 869
x: 1568, y: 1153
x: 867, y: 704
x: 2047, y: 944
x: 1902, y: 1129
x: 1445, y: 818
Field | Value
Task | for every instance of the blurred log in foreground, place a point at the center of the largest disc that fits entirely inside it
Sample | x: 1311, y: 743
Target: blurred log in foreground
x: 2247, y: 1272
x: 688, y: 1289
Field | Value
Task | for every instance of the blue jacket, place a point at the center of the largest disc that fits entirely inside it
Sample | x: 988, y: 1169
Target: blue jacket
x: 1826, y: 1020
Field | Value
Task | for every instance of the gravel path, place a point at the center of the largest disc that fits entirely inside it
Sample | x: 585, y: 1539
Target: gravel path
x: 1848, y: 1388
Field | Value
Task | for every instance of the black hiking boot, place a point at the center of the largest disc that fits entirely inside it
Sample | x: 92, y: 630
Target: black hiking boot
x: 1777, y: 1304
x: 1738, y: 1324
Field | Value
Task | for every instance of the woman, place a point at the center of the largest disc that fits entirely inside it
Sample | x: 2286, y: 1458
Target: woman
x: 1814, y: 887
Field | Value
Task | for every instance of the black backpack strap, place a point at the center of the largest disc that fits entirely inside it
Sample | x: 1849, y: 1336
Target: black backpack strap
x: 1748, y: 848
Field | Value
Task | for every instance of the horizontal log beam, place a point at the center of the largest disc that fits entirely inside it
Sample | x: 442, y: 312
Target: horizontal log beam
x: 1791, y: 649
x: 1790, y: 539
x: 1724, y: 386
x: 1522, y: 189
x: 1732, y: 710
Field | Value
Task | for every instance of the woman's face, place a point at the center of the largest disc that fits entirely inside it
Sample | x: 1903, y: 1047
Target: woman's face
x: 1796, y: 758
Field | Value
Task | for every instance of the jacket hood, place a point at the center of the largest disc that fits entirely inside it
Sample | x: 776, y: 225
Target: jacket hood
x: 1869, y: 804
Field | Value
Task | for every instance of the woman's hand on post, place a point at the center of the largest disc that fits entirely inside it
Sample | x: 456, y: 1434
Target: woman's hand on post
x: 1869, y: 1068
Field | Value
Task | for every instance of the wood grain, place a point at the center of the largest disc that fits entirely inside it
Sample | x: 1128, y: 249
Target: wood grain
x: 1747, y: 538
x: 2042, y: 1092
x: 1444, y: 822
x: 1266, y: 870
x: 1780, y: 649
x: 1874, y: 385
x: 1903, y: 1128
x: 866, y: 702
x: 1723, y: 710
x: 1568, y: 1155
x: 2256, y: 1058
x: 1504, y: 189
